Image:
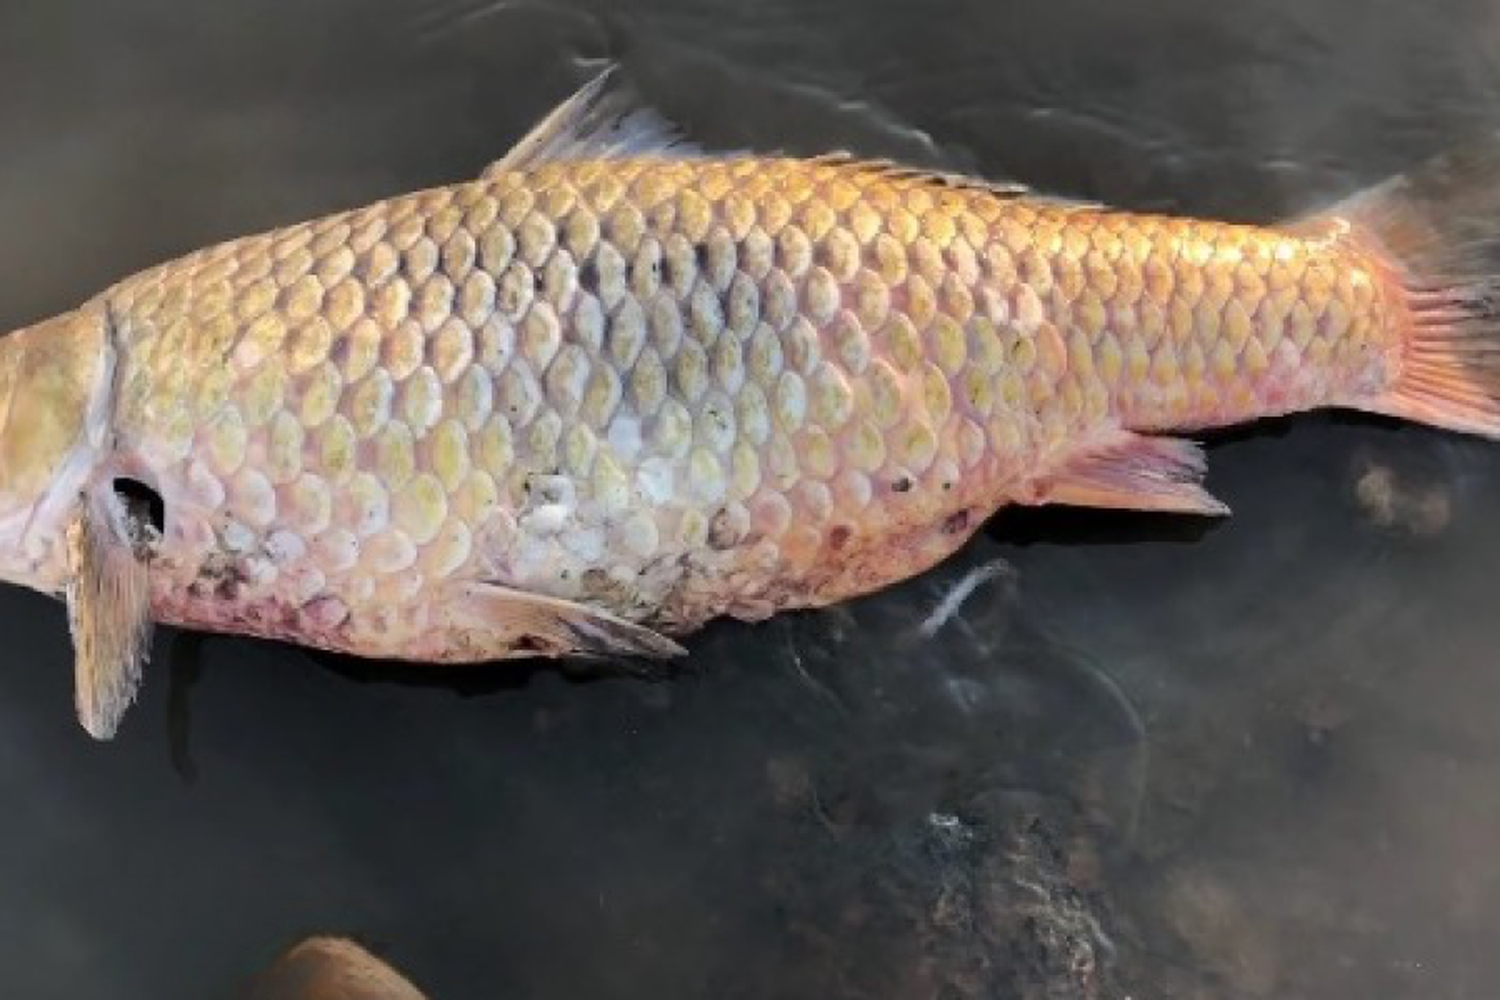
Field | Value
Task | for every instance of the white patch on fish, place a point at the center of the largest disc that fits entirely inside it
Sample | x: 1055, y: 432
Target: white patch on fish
x: 624, y: 437
x: 654, y: 481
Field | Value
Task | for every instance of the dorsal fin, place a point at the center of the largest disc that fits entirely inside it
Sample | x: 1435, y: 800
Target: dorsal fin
x: 921, y: 175
x: 606, y: 119
x: 952, y: 179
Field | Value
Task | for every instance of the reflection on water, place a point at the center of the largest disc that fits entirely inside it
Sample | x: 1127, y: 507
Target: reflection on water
x: 1153, y: 758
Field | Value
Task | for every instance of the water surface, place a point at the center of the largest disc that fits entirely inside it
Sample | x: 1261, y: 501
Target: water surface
x: 1153, y: 758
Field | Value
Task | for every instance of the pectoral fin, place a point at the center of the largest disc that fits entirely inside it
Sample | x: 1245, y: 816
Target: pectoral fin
x: 109, y: 613
x: 1135, y: 472
x: 533, y: 624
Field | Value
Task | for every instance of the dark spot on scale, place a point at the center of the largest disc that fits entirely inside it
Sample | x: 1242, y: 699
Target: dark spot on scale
x: 956, y: 522
x: 227, y: 588
x: 723, y: 533
x: 700, y: 250
x: 665, y: 271
x: 901, y: 485
x: 839, y: 536
x: 537, y: 279
x: 221, y: 574
x: 588, y: 276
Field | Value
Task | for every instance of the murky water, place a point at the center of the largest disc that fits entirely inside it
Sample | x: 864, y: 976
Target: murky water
x: 1151, y: 759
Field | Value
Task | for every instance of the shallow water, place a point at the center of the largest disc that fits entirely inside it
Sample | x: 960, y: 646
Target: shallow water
x: 1153, y: 758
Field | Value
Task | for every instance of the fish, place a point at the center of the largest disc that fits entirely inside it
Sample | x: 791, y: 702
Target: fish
x: 620, y: 385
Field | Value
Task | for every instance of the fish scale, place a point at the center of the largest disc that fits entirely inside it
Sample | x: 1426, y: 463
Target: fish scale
x: 676, y: 388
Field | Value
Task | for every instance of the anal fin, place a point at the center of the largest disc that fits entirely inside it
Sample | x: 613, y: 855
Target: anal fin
x: 109, y: 613
x: 522, y: 624
x: 1134, y: 472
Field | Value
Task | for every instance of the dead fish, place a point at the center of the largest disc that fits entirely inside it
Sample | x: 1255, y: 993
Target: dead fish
x: 328, y: 968
x: 619, y: 386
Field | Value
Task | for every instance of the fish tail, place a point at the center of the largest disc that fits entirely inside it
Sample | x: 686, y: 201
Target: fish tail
x: 1438, y: 230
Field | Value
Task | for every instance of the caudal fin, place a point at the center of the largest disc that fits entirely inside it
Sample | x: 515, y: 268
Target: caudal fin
x: 1439, y: 227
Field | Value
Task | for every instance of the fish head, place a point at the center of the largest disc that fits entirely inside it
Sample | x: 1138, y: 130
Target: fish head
x: 54, y: 386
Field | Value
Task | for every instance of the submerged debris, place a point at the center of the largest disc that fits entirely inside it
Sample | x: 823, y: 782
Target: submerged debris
x: 953, y: 602
x: 1391, y: 499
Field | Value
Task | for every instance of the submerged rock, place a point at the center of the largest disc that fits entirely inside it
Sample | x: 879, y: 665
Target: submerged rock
x: 327, y: 968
